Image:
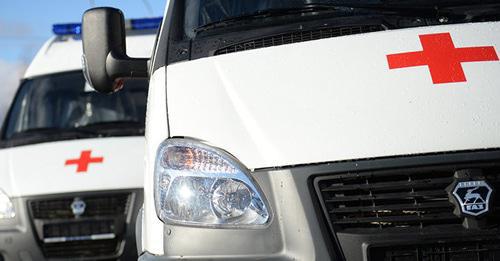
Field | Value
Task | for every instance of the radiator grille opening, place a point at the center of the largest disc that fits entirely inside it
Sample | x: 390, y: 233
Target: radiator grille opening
x: 97, y: 233
x: 485, y: 250
x: 79, y: 229
x: 59, y: 208
x: 89, y: 248
x: 297, y: 37
x: 394, y: 199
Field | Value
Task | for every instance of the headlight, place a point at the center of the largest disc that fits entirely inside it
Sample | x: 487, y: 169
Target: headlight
x: 6, y: 207
x: 196, y: 184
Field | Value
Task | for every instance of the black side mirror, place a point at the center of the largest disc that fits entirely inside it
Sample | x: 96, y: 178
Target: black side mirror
x: 105, y: 61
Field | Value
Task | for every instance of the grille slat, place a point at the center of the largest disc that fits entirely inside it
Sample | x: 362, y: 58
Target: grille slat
x: 388, y: 208
x: 382, y: 220
x: 426, y: 183
x: 408, y: 195
x: 297, y: 37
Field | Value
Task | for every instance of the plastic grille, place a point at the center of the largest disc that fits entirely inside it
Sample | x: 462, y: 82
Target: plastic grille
x: 485, y: 250
x: 88, y: 248
x: 60, y: 208
x: 297, y: 37
x: 75, y: 229
x: 98, y: 232
x: 397, y: 198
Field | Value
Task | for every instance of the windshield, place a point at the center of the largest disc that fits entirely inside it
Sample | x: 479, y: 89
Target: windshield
x: 200, y: 13
x: 64, y: 103
x: 203, y: 12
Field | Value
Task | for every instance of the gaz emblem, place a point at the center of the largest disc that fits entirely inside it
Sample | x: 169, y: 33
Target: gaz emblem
x: 473, y: 197
x: 78, y: 207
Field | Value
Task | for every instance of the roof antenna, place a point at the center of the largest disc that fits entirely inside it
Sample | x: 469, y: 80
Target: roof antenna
x: 148, y: 7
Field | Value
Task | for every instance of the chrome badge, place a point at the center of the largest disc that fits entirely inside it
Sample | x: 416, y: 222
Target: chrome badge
x: 78, y: 207
x: 473, y: 197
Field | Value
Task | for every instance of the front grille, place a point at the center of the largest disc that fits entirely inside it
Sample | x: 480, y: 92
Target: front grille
x: 395, y: 198
x: 97, y: 233
x: 59, y: 208
x: 79, y: 229
x: 297, y: 37
x: 89, y: 248
x: 406, y: 213
x: 484, y: 250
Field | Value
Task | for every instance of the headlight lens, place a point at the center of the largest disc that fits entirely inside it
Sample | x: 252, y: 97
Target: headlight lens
x: 6, y: 206
x: 196, y: 184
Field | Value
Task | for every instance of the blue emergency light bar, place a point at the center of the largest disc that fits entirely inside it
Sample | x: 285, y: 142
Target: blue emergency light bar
x: 65, y: 29
x: 132, y: 24
x: 145, y: 23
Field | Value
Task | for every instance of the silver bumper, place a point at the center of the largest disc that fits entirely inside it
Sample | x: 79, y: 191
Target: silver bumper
x: 294, y: 233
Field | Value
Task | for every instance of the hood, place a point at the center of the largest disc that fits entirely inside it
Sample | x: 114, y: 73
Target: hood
x: 396, y: 92
x: 72, y: 166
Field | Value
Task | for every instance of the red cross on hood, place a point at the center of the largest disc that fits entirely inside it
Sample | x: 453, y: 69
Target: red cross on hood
x: 442, y: 57
x: 84, y: 161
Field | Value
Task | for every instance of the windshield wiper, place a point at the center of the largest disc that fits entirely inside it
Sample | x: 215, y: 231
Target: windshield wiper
x: 114, y: 126
x: 53, y: 131
x: 358, y: 9
x: 100, y: 129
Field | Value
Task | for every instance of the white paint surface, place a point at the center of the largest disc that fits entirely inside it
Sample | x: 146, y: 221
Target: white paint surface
x: 335, y: 99
x: 156, y: 132
x: 40, y: 169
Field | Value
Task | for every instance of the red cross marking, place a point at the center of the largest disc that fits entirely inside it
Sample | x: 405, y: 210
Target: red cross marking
x: 84, y: 161
x: 442, y: 58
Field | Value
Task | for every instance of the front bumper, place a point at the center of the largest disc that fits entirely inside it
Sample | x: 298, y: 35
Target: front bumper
x: 20, y: 237
x: 16, y: 236
x: 294, y: 233
x: 301, y: 229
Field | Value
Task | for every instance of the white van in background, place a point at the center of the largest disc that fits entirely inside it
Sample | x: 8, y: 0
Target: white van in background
x: 71, y: 160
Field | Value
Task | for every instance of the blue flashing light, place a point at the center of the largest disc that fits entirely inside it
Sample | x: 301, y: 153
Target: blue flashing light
x: 67, y: 29
x: 135, y: 24
x: 145, y: 23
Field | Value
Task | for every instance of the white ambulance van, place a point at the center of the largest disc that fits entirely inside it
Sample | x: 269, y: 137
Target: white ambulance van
x: 71, y: 160
x: 316, y: 130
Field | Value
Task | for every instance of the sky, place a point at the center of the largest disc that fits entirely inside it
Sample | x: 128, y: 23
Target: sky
x: 26, y: 24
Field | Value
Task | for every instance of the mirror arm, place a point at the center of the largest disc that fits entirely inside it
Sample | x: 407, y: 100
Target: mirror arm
x: 119, y: 66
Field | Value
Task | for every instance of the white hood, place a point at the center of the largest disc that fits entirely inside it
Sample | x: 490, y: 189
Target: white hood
x: 337, y: 99
x: 47, y: 168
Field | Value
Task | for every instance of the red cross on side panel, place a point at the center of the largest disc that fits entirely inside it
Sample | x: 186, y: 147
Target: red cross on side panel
x: 84, y: 161
x: 442, y: 58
